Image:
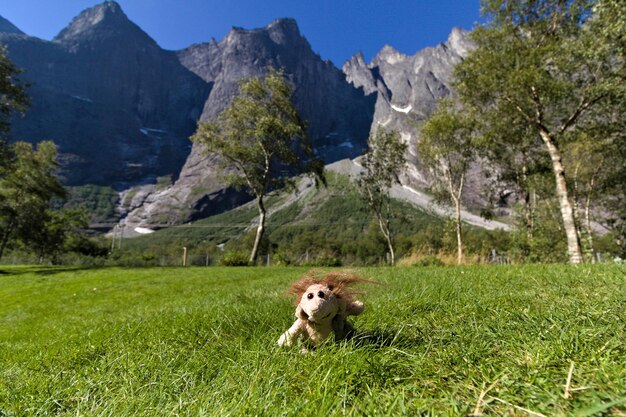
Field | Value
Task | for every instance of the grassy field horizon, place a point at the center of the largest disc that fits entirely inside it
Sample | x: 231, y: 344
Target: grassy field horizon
x: 474, y: 340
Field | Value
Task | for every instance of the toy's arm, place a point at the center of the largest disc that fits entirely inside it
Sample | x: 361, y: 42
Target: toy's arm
x: 339, y: 324
x: 354, y: 308
x: 291, y: 335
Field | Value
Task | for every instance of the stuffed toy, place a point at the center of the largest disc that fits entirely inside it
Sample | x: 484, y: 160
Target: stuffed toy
x: 323, y: 305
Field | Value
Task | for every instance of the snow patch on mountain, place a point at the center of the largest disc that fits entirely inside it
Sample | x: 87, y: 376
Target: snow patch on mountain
x: 405, y: 110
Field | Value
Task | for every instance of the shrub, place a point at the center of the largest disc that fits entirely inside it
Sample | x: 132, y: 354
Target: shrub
x: 430, y: 260
x: 234, y: 259
x: 281, y: 259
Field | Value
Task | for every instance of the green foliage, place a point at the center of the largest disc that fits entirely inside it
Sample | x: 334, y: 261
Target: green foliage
x: 552, y: 70
x: 54, y: 227
x: 26, y: 192
x: 606, y: 37
x: 259, y: 134
x: 610, y: 246
x: 202, y: 341
x: 323, y: 261
x: 99, y: 201
x: 206, y: 233
x: 28, y: 221
x: 234, y: 259
x: 79, y: 244
x: 327, y: 226
x: 13, y: 94
x: 382, y: 164
x: 259, y: 141
x: 447, y: 147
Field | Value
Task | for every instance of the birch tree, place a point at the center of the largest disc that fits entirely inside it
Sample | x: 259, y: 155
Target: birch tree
x: 382, y: 165
x: 447, y: 147
x: 258, y: 137
x: 543, y: 62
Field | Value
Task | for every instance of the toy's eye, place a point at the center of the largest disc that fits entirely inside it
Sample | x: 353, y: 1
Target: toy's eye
x: 320, y: 294
x: 309, y: 295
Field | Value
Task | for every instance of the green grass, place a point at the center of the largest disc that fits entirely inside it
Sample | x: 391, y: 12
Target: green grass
x: 201, y: 341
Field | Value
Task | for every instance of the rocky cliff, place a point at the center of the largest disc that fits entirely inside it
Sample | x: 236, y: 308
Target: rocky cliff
x: 408, y: 87
x: 407, y: 90
x: 339, y: 114
x: 119, y: 107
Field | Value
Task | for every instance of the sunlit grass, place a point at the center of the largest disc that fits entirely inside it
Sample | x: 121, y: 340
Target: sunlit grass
x: 201, y: 341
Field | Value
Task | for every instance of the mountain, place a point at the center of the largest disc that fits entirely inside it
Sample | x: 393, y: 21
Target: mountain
x: 119, y: 107
x: 339, y: 114
x: 408, y: 87
x: 399, y: 90
x: 407, y: 90
x: 8, y: 27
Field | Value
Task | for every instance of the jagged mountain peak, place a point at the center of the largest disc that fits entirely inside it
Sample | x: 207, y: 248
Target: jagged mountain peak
x: 286, y: 24
x: 247, y: 49
x: 357, y: 59
x: 107, y: 16
x: 390, y: 55
x: 8, y: 27
x: 284, y: 31
x: 359, y: 73
x: 459, y: 41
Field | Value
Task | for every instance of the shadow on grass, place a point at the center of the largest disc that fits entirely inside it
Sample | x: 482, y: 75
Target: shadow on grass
x: 383, y: 338
x: 43, y: 270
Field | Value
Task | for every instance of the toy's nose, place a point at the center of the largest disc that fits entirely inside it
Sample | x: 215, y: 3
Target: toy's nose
x: 320, y: 294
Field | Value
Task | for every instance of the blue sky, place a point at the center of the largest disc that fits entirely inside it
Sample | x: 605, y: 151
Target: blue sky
x: 336, y: 29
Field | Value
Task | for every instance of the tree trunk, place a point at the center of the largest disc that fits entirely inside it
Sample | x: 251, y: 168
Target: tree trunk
x: 459, y: 236
x: 259, y: 231
x: 5, y: 240
x: 384, y: 229
x: 567, y: 212
x: 588, y: 230
x: 528, y: 204
x: 6, y: 235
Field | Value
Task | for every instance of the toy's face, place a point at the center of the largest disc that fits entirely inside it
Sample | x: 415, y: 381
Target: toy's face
x: 319, y: 303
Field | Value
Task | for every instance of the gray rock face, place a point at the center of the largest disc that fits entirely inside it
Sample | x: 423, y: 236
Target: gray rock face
x: 119, y: 107
x: 339, y: 114
x: 407, y: 89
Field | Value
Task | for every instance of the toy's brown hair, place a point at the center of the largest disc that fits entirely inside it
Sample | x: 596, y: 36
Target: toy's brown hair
x: 338, y: 282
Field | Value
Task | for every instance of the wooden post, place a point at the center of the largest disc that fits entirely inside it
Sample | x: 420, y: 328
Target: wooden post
x: 184, y: 255
x: 119, y: 246
x: 113, y: 239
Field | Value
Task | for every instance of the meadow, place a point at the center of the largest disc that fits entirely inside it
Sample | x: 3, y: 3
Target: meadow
x: 475, y: 340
